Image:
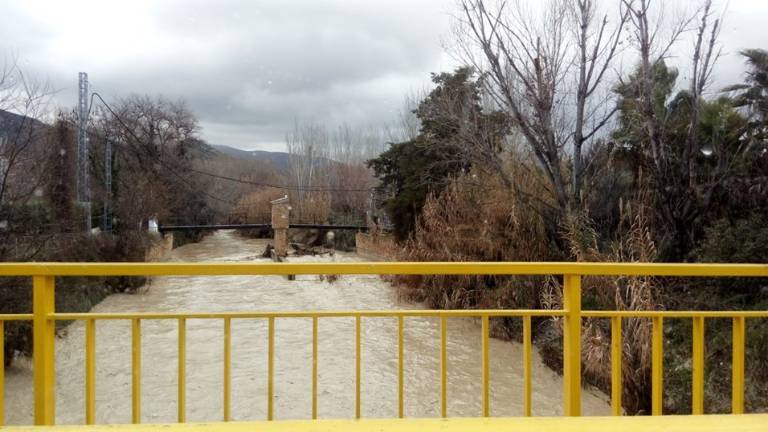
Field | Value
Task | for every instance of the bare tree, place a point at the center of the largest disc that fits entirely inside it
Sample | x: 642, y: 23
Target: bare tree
x: 406, y: 127
x: 351, y: 179
x: 24, y: 100
x: 652, y: 47
x: 308, y: 147
x: 684, y: 188
x: 156, y: 142
x: 308, y: 151
x: 597, y: 43
x: 703, y: 62
x: 530, y: 63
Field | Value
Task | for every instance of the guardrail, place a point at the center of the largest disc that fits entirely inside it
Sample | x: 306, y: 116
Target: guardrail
x: 44, y: 317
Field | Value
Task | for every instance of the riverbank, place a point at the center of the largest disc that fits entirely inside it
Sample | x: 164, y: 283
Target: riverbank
x: 74, y: 294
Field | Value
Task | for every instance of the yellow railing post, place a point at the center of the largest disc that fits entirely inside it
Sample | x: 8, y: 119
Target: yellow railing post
x: 697, y: 390
x: 527, y: 366
x: 43, y: 335
x: 270, y: 367
x: 572, y: 345
x: 2, y: 373
x: 227, y: 368
x: 737, y: 381
x: 314, y: 368
x: 400, y: 366
x: 135, y: 371
x: 617, y: 351
x: 443, y: 367
x: 90, y: 371
x: 657, y: 366
x: 484, y: 359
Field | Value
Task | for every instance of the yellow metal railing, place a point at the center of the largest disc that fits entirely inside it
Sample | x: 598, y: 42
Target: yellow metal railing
x: 44, y: 317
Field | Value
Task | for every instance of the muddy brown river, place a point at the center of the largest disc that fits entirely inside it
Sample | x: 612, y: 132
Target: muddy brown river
x: 293, y: 353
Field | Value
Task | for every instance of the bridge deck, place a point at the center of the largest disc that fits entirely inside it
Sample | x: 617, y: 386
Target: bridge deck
x: 702, y: 423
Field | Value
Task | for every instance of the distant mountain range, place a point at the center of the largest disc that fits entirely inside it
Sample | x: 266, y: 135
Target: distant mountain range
x: 10, y: 123
x: 279, y: 160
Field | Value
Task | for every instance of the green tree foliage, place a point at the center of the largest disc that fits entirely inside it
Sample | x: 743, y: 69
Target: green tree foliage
x: 753, y: 93
x: 689, y: 188
x: 455, y: 129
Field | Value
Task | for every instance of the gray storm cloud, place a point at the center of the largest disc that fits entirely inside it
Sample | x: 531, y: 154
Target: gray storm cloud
x: 249, y: 69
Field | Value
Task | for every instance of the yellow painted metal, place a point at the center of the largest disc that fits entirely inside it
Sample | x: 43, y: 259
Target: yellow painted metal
x: 16, y: 317
x: 698, y: 366
x: 737, y: 380
x: 572, y: 345
x: 674, y: 314
x: 497, y: 268
x: 227, y: 368
x: 466, y: 313
x: 182, y: 398
x: 2, y: 372
x: 443, y: 367
x: 44, y: 316
x: 90, y: 371
x: 527, y: 367
x: 657, y: 366
x: 400, y: 367
x: 270, y: 367
x: 43, y: 345
x: 358, y: 355
x: 709, y: 423
x: 314, y: 368
x: 136, y: 371
x: 486, y: 399
x: 617, y: 352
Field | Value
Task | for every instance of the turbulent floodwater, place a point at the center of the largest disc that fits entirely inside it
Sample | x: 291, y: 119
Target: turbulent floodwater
x: 293, y: 353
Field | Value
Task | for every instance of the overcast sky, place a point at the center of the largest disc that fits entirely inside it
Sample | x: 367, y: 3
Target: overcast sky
x: 248, y: 69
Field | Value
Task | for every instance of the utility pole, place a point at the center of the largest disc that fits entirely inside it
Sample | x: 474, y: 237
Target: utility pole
x: 108, y: 187
x: 83, y: 173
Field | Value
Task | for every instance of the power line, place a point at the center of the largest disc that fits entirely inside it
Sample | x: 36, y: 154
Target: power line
x: 270, y: 185
x: 169, y: 168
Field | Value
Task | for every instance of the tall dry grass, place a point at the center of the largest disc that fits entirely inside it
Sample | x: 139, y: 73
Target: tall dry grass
x: 634, y: 243
x: 474, y: 219
x: 310, y: 207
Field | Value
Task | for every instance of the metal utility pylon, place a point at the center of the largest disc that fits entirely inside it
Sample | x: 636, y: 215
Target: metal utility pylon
x: 108, y: 187
x: 83, y: 172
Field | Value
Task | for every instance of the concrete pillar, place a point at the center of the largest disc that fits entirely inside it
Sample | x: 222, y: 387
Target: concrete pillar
x: 280, y: 220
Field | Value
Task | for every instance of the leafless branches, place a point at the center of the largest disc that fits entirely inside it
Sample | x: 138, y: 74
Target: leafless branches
x: 647, y: 25
x: 538, y: 71
x: 25, y: 100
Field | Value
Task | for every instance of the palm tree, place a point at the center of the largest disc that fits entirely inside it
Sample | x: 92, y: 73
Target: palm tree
x: 753, y: 94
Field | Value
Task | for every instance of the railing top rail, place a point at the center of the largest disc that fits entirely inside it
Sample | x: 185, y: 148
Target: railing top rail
x: 388, y: 268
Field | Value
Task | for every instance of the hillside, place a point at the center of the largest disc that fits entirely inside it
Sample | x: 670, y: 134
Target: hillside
x: 10, y: 123
x: 279, y: 160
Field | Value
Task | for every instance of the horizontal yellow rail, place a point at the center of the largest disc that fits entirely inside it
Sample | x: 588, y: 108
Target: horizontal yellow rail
x: 319, y: 314
x: 16, y: 317
x: 442, y: 268
x: 710, y: 423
